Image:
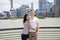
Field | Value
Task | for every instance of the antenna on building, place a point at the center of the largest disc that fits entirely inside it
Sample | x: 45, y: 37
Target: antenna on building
x: 31, y: 5
x: 12, y: 9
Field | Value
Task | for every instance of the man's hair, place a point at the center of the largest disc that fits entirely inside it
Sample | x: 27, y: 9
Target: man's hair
x: 31, y: 10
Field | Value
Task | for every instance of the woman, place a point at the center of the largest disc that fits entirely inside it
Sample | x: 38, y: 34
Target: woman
x: 25, y: 33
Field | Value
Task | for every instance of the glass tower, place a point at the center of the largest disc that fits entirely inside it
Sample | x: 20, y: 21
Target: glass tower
x: 57, y: 2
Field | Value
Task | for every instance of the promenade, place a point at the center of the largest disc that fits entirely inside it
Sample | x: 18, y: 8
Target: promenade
x: 18, y: 23
x: 12, y: 29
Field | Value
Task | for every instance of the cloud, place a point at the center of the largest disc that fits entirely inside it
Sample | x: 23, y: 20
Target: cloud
x: 16, y: 6
x: 50, y: 0
x: 4, y: 2
x: 4, y: 5
x: 26, y: 2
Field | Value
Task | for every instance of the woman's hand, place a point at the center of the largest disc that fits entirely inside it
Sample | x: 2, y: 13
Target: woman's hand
x: 29, y: 26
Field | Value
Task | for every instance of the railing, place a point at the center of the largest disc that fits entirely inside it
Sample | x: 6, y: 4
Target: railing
x: 45, y: 33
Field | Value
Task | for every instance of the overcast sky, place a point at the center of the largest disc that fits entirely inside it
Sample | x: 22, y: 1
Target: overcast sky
x: 5, y: 4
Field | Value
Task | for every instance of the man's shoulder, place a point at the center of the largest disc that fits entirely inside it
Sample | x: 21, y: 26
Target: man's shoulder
x: 36, y: 18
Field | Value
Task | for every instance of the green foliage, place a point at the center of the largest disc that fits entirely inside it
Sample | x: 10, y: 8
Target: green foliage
x: 21, y: 17
x: 41, y: 17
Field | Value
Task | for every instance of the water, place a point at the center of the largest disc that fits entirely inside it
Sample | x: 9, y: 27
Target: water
x: 47, y: 22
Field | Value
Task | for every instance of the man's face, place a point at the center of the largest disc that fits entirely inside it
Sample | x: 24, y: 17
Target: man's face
x: 32, y: 12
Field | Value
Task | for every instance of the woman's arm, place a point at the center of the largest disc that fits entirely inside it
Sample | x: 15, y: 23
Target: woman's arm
x: 28, y: 25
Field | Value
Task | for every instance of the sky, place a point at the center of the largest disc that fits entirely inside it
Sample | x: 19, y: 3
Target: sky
x: 5, y: 4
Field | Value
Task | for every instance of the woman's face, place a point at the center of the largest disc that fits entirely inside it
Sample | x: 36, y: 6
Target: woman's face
x: 28, y: 17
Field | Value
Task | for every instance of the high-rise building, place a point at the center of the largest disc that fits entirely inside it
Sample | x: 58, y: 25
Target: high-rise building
x: 42, y: 5
x: 55, y: 10
x: 37, y: 12
x: 24, y: 9
x: 54, y: 2
x: 7, y: 13
x: 57, y: 2
x: 49, y: 6
x: 31, y: 5
x: 12, y: 11
x: 18, y: 13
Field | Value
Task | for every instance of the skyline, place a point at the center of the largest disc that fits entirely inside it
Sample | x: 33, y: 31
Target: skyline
x: 5, y: 4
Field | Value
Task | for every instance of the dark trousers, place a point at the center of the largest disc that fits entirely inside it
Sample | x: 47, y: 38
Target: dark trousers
x: 24, y: 37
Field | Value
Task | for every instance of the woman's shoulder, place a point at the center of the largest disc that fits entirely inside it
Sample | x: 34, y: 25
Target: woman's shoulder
x: 25, y: 22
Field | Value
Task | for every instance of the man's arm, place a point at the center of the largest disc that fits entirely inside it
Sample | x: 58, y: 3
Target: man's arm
x: 37, y: 28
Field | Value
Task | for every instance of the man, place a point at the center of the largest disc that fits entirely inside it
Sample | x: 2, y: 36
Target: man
x: 34, y: 23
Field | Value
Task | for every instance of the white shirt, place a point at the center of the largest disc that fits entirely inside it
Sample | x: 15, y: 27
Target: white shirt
x: 33, y: 24
x: 25, y: 30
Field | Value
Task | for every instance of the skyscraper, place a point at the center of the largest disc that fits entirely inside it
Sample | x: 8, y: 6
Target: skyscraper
x: 57, y: 2
x: 24, y: 9
x: 12, y: 11
x: 31, y: 5
x: 54, y: 2
x: 42, y: 5
x: 55, y: 11
x: 18, y: 13
x: 7, y: 13
x: 49, y: 6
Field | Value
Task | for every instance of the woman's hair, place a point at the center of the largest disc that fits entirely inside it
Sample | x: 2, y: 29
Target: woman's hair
x: 25, y: 16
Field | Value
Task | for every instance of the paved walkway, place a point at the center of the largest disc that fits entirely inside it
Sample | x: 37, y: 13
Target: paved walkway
x: 48, y: 22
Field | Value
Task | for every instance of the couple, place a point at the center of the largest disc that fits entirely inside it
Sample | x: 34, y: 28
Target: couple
x: 31, y: 26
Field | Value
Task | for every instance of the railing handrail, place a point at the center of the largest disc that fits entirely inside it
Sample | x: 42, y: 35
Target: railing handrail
x: 22, y: 28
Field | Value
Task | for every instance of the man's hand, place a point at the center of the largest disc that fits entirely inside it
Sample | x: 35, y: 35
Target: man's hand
x: 37, y: 29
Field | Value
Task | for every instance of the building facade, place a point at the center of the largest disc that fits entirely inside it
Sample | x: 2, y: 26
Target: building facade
x: 24, y: 9
x: 18, y: 13
x: 32, y: 5
x: 55, y: 10
x: 57, y: 2
x: 7, y: 13
x: 44, y: 6
x: 49, y: 6
x: 12, y: 10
